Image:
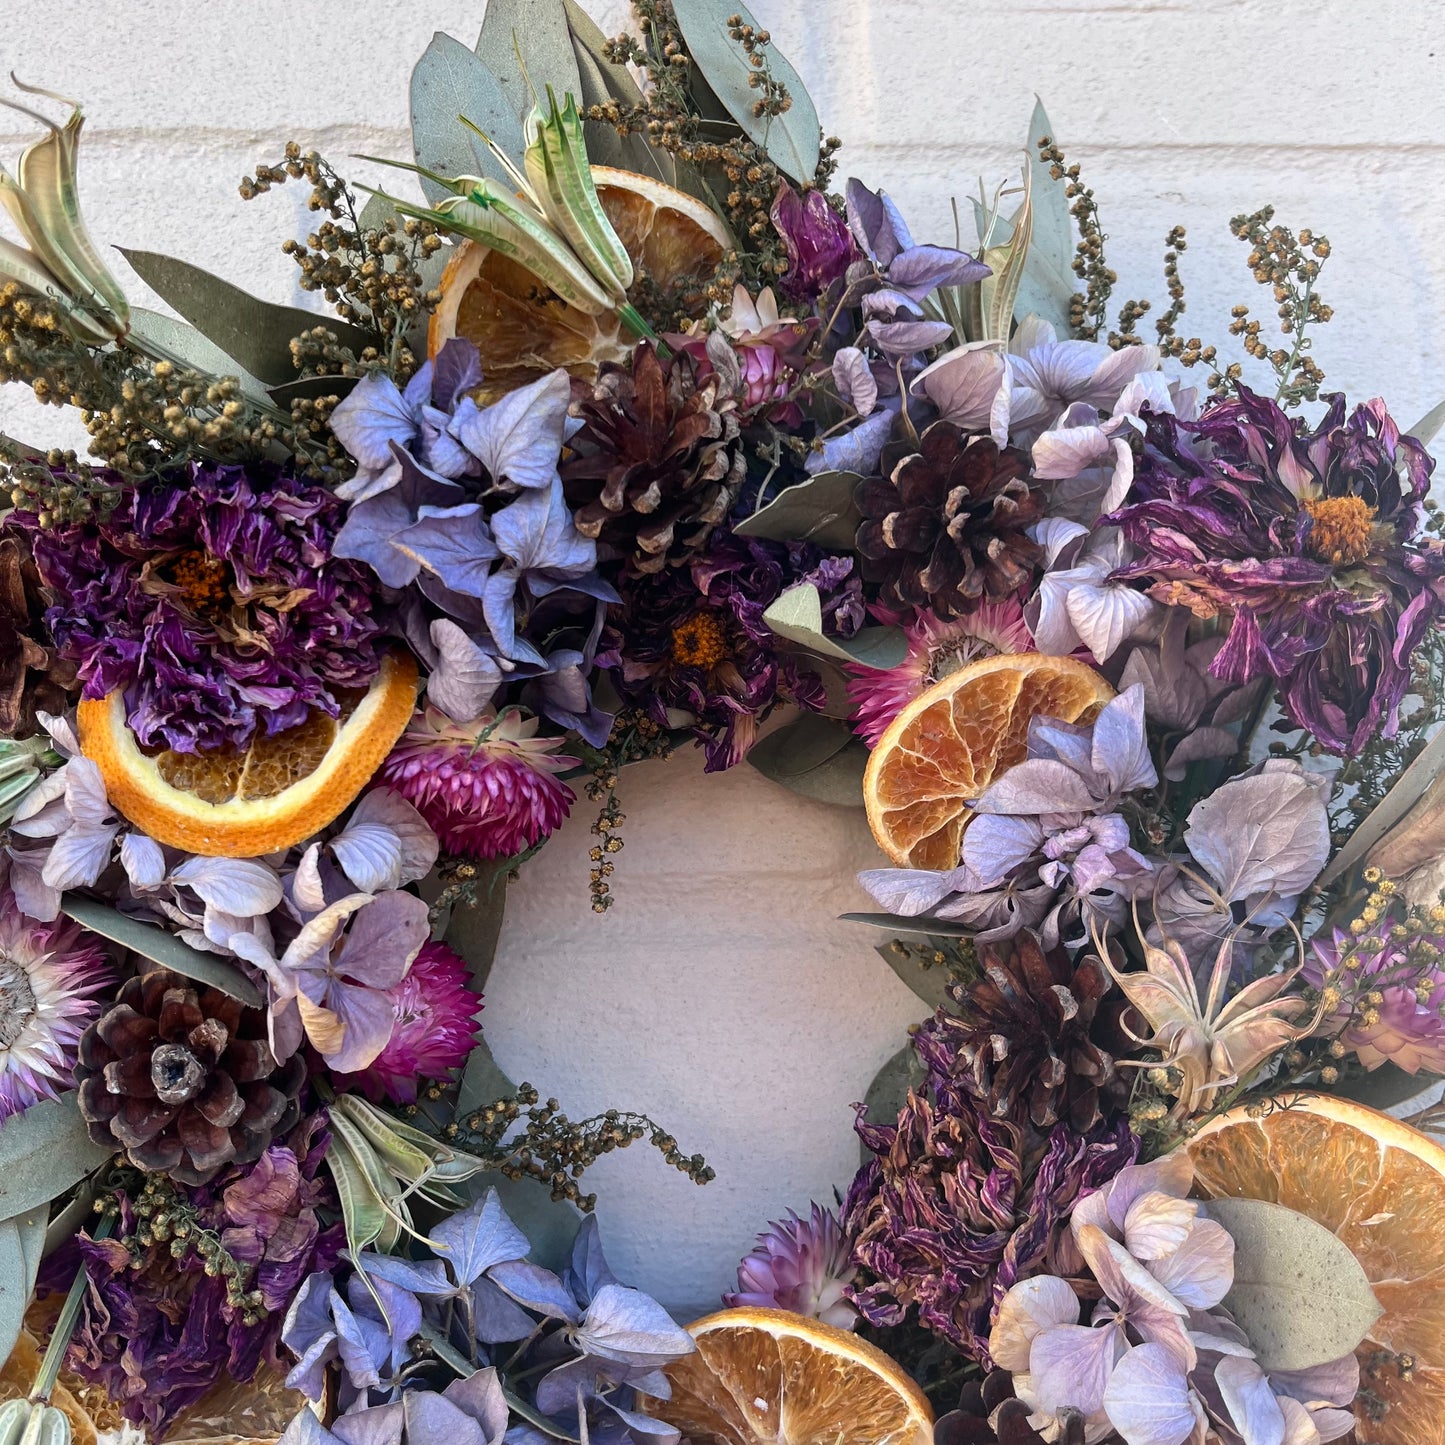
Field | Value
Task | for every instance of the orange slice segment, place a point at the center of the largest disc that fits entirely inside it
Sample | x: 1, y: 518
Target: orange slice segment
x: 950, y: 743
x: 768, y: 1376
x: 523, y: 329
x: 241, y: 803
x: 1380, y: 1186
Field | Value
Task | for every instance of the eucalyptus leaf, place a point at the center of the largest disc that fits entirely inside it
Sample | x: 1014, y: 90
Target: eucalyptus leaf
x: 446, y: 83
x: 929, y: 983
x: 77, y: 1210
x: 31, y: 1228
x: 311, y: 387
x: 1386, y: 1087
x: 1299, y: 1293
x: 1426, y: 429
x: 815, y: 757
x: 913, y: 927
x: 161, y: 947
x: 820, y: 510
x: 188, y: 346
x: 43, y: 1152
x: 889, y: 1090
x: 797, y: 616
x: 253, y: 333
x: 15, y: 1286
x: 473, y: 929
x: 538, y: 30
x: 483, y: 1081
x: 1045, y: 290
x: 792, y: 140
x: 1053, y: 226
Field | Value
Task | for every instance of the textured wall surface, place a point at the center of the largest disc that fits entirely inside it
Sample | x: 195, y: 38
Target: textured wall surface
x: 719, y: 994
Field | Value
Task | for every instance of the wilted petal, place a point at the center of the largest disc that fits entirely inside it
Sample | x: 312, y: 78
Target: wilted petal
x: 366, y: 422
x: 1106, y: 615
x: 537, y: 533
x: 1030, y: 1306
x: 480, y: 1236
x: 1335, y: 1383
x: 1156, y: 1225
x: 1122, y: 1278
x: 907, y: 891
x: 1148, y: 1399
x: 143, y: 861
x: 79, y: 856
x: 383, y: 939
x: 963, y: 383
x: 1120, y: 748
x: 386, y: 808
x: 854, y: 380
x: 519, y: 438
x: 1253, y: 1410
x: 434, y: 1420
x: 631, y: 1328
x: 1071, y: 1365
x: 452, y: 543
x: 466, y: 676
x: 480, y: 1396
x: 239, y: 886
x: 1200, y: 1272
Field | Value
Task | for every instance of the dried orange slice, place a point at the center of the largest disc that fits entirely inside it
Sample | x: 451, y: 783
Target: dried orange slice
x: 241, y: 803
x: 522, y: 328
x: 1380, y: 1186
x: 950, y: 743
x: 769, y: 1376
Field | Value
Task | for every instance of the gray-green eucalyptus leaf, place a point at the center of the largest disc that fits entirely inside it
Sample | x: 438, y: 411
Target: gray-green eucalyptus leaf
x: 1299, y: 1293
x: 797, y: 616
x: 42, y: 1153
x: 526, y: 44
x: 178, y: 339
x: 15, y: 1285
x: 483, y: 1081
x: 254, y: 334
x: 819, y: 510
x: 161, y: 947
x: 929, y: 983
x: 912, y: 927
x: 889, y: 1090
x: 446, y: 83
x: 793, y: 139
x: 815, y: 757
x: 473, y: 929
x: 1427, y: 428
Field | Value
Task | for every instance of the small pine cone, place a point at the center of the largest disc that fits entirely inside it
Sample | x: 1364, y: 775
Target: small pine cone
x: 183, y: 1080
x: 950, y: 523
x: 33, y: 677
x: 990, y: 1414
x: 1035, y: 1031
x: 657, y: 462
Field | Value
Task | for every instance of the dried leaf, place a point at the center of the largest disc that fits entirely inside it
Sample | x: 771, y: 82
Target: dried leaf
x: 815, y: 757
x: 1425, y: 430
x: 1299, y: 1293
x: 930, y: 984
x: 889, y: 1090
x: 256, y: 334
x: 42, y: 1153
x: 797, y: 616
x: 538, y: 30
x: 913, y: 927
x: 161, y: 947
x: 188, y: 345
x: 15, y: 1286
x: 819, y: 510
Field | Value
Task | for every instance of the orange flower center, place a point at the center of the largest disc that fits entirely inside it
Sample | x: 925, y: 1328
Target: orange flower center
x: 700, y: 642
x: 202, y: 580
x: 1339, y: 529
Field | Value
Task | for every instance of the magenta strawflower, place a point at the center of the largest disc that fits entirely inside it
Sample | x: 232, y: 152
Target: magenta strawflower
x: 435, y: 1008
x: 488, y: 788
x: 800, y: 1265
x: 936, y: 648
x: 50, y: 976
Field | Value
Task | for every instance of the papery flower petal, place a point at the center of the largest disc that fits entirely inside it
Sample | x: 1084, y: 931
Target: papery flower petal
x: 519, y: 438
x: 1148, y: 1399
x: 1070, y: 1365
x: 1031, y: 1306
x: 1253, y: 1409
x: 143, y: 860
x: 1157, y: 1225
x: 239, y: 886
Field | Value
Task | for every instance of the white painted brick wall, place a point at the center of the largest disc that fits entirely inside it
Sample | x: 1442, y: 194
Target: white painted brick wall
x: 718, y: 994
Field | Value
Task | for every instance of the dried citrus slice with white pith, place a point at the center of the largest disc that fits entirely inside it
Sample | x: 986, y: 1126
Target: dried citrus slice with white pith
x: 764, y: 1375
x: 244, y: 802
x: 522, y: 328
x: 1380, y: 1186
x: 950, y: 743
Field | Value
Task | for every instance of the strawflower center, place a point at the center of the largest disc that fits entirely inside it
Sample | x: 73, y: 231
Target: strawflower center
x: 17, y: 1001
x: 1339, y: 529
x: 947, y: 660
x: 700, y: 642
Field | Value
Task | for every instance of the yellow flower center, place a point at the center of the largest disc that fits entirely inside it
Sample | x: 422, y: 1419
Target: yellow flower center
x: 1339, y: 529
x: 202, y: 580
x: 700, y: 642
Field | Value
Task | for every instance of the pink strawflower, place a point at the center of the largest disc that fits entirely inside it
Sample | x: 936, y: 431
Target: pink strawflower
x: 935, y: 650
x: 50, y: 976
x: 488, y: 788
x: 799, y: 1265
x: 435, y: 1009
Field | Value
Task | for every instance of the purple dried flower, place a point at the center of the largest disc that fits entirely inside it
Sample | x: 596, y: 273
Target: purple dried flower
x: 816, y: 238
x: 694, y: 640
x: 1309, y: 540
x: 800, y: 1265
x: 215, y: 599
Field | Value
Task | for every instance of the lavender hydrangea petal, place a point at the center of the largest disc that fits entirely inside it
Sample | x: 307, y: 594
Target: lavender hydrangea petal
x: 519, y: 438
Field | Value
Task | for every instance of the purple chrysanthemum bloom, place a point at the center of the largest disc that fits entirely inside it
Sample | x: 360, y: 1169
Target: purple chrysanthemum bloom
x: 50, y: 977
x: 694, y: 640
x: 1311, y: 542
x: 959, y: 1204
x: 156, y: 1331
x: 214, y: 599
x: 800, y: 1265
x: 817, y: 239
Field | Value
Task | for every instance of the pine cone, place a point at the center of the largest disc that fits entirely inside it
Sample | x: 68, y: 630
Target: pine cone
x: 657, y: 462
x: 183, y: 1080
x: 32, y: 675
x: 949, y: 525
x: 1035, y: 1031
x: 990, y: 1414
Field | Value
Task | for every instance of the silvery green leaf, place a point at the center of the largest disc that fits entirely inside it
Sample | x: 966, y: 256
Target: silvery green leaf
x: 538, y: 30
x: 1299, y: 1293
x: 930, y: 984
x: 15, y: 1286
x: 792, y: 140
x: 62, y: 1228
x: 819, y: 510
x: 449, y: 81
x: 473, y: 930
x: 187, y: 345
x: 161, y: 947
x: 1425, y: 430
x: 815, y: 757
x: 913, y: 927
x: 254, y: 333
x: 482, y: 1081
x: 42, y: 1153
x: 889, y: 1090
x: 797, y: 616
x: 1053, y: 226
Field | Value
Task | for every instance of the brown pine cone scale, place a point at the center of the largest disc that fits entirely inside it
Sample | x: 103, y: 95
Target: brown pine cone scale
x: 183, y: 1080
